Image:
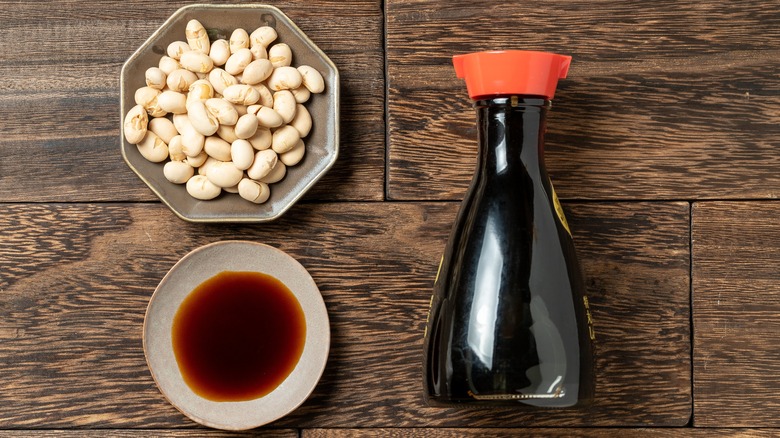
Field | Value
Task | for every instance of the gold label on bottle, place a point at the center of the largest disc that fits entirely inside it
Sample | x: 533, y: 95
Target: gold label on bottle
x: 438, y: 271
x: 591, y: 331
x: 430, y: 305
x: 559, y: 210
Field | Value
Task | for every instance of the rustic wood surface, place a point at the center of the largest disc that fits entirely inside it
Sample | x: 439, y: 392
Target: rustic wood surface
x: 77, y: 278
x: 60, y: 96
x: 539, y: 432
x: 736, y: 305
x: 664, y: 144
x: 664, y: 100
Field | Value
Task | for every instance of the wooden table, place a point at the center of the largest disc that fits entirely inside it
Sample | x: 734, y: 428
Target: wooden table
x: 664, y: 145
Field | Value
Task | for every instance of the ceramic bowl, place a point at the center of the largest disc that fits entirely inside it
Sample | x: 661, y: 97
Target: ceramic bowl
x: 192, y: 270
x: 322, y: 143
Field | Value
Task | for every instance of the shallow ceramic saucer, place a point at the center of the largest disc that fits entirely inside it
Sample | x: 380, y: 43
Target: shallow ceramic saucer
x: 192, y: 270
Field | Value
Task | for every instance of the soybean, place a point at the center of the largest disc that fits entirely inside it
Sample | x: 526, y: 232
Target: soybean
x: 199, y: 187
x: 254, y: 191
x: 163, y: 128
x: 246, y: 126
x: 178, y: 172
x: 135, y: 126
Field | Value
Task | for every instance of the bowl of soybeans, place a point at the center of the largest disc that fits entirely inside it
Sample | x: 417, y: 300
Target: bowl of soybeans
x: 229, y: 113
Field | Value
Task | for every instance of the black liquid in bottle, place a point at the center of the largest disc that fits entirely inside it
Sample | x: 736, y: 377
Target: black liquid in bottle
x: 509, y: 320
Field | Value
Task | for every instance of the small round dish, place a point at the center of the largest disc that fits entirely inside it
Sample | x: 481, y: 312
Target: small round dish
x: 192, y: 270
x: 322, y: 143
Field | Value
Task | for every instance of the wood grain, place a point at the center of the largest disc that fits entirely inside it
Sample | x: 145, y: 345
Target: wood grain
x: 736, y: 300
x: 75, y: 280
x: 59, y: 102
x: 672, y: 432
x: 145, y: 433
x: 674, y: 100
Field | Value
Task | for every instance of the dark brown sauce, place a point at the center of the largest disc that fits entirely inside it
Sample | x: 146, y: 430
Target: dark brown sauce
x: 238, y: 335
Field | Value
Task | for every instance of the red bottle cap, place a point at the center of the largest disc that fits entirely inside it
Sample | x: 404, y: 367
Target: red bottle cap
x: 505, y: 72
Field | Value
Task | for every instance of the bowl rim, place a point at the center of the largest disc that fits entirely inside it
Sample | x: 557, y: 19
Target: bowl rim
x: 335, y: 86
x: 317, y: 342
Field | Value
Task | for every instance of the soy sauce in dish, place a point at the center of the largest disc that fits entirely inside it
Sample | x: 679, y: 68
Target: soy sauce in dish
x: 238, y: 335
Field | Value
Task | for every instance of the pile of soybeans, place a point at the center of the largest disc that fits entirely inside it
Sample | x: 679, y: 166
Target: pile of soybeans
x: 224, y: 115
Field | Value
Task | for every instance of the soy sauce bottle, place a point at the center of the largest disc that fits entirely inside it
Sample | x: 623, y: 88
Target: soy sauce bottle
x: 509, y: 321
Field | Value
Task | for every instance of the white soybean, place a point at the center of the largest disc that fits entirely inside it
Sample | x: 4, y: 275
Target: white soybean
x: 172, y: 102
x: 147, y: 98
x: 168, y: 64
x: 284, y: 139
x: 280, y: 55
x: 220, y: 79
x: 269, y: 118
x: 232, y: 189
x: 153, y: 148
x: 240, y: 109
x: 163, y: 128
x: 135, y: 125
x: 202, y: 120
x: 254, y: 191
x: 176, y: 49
x: 204, y: 168
x: 199, y: 187
x: 294, y: 155
x: 197, y: 37
x: 262, y: 139
x: 312, y: 79
x: 277, y: 174
x: 176, y: 150
x: 196, y: 62
x: 285, y: 105
x: 266, y: 97
x: 197, y: 160
x: 258, y: 52
x: 192, y: 141
x: 155, y: 78
x: 241, y: 94
x: 302, y: 121
x: 257, y: 71
x: 284, y: 78
x: 180, y: 80
x: 178, y: 172
x: 181, y: 122
x: 219, y: 52
x: 263, y: 36
x: 302, y: 94
x: 239, y: 39
x: 224, y: 174
x: 200, y: 90
x: 227, y: 133
x: 217, y: 148
x: 264, y: 162
x: 242, y: 154
x: 246, y: 126
x: 223, y: 110
x: 238, y: 61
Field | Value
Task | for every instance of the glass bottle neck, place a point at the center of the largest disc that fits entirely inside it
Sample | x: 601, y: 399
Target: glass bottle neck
x: 510, y: 131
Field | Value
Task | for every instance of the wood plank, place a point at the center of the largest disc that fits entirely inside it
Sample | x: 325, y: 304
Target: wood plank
x: 672, y: 432
x: 125, y: 433
x: 76, y: 279
x: 674, y: 100
x: 60, y: 102
x: 736, y: 300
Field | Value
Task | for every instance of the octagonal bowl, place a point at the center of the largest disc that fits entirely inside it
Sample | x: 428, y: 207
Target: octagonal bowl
x: 322, y: 143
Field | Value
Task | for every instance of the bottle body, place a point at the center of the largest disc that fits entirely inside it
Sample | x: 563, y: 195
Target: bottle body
x: 508, y: 320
